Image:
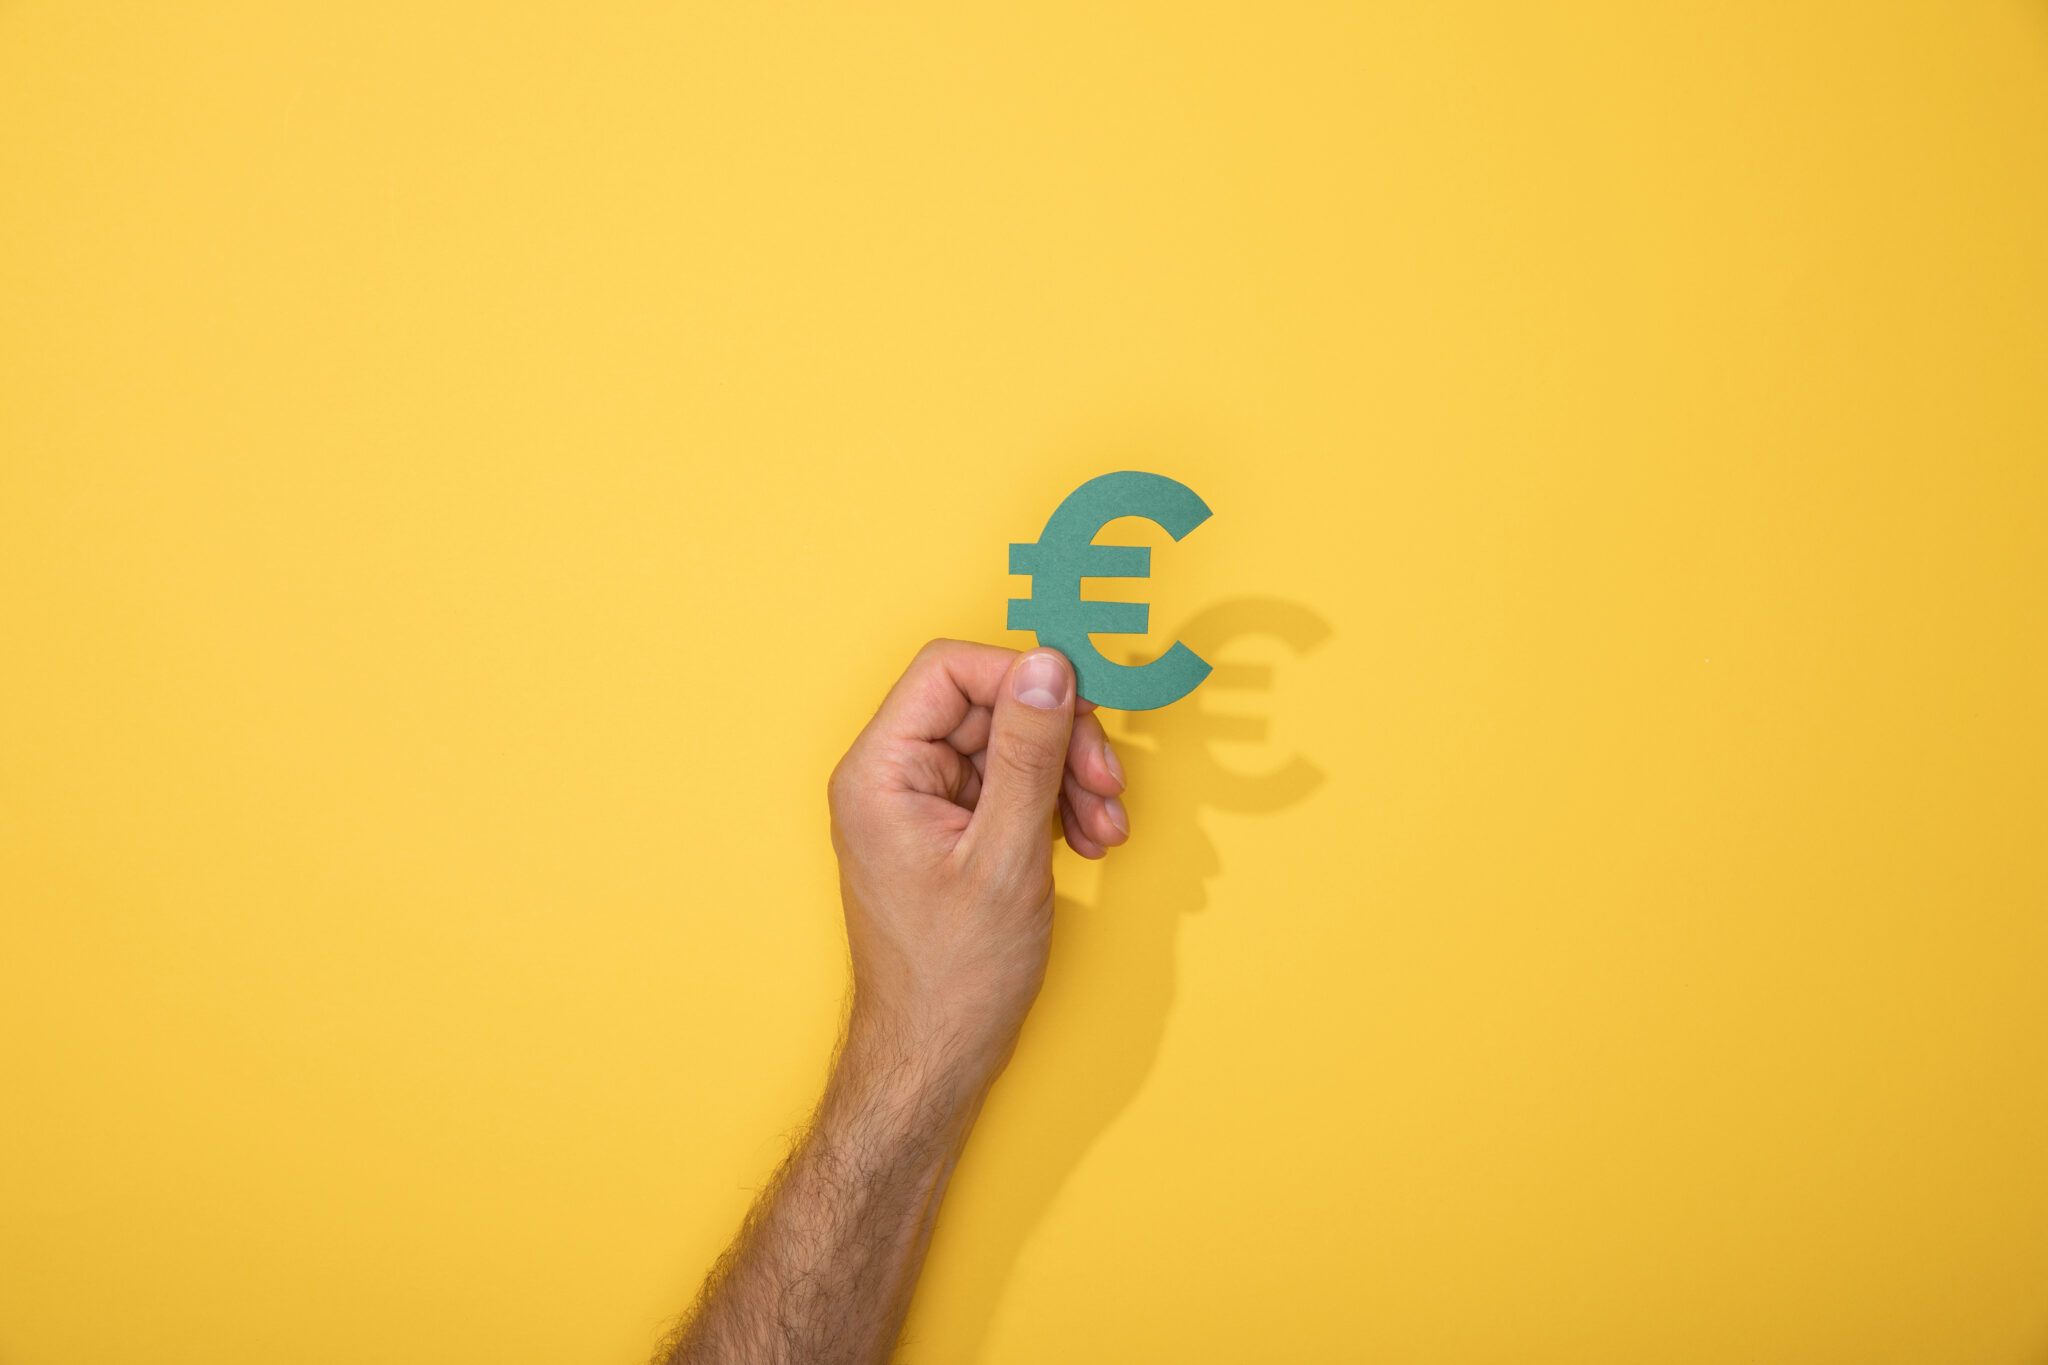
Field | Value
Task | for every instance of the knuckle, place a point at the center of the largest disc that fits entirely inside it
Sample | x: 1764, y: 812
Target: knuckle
x: 1038, y: 764
x: 839, y: 786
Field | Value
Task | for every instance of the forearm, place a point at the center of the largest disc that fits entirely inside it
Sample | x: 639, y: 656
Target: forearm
x: 823, y: 1269
x: 942, y: 814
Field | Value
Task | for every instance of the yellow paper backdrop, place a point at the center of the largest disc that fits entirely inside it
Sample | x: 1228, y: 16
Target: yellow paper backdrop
x: 467, y: 470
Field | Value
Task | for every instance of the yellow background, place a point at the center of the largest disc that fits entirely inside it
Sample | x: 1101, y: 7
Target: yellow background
x: 467, y: 471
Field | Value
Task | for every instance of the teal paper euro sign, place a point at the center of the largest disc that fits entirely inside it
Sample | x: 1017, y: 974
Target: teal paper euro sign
x: 1064, y: 555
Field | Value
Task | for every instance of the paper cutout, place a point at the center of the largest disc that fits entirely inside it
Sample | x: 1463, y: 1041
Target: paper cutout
x: 1061, y: 557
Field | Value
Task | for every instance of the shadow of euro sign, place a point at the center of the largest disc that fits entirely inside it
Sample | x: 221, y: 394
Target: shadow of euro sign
x: 1064, y: 555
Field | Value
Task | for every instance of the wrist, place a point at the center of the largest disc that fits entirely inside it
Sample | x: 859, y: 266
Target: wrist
x: 923, y: 1073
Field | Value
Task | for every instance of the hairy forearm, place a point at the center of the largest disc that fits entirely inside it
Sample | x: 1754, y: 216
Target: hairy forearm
x: 823, y: 1268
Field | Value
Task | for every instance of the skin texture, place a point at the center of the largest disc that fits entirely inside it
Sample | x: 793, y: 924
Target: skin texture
x: 943, y: 816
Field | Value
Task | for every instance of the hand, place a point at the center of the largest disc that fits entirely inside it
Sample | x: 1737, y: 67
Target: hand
x: 942, y: 812
x: 942, y: 815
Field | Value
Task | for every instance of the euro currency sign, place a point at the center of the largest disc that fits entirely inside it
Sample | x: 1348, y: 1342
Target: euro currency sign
x: 1064, y: 555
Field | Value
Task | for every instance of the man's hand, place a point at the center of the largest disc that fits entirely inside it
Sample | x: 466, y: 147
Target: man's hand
x: 942, y: 812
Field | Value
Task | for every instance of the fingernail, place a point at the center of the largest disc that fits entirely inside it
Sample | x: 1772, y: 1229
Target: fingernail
x: 1041, y: 682
x: 1116, y: 769
x: 1117, y: 816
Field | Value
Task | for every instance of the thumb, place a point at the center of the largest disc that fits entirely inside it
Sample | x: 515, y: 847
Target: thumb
x: 1027, y: 748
